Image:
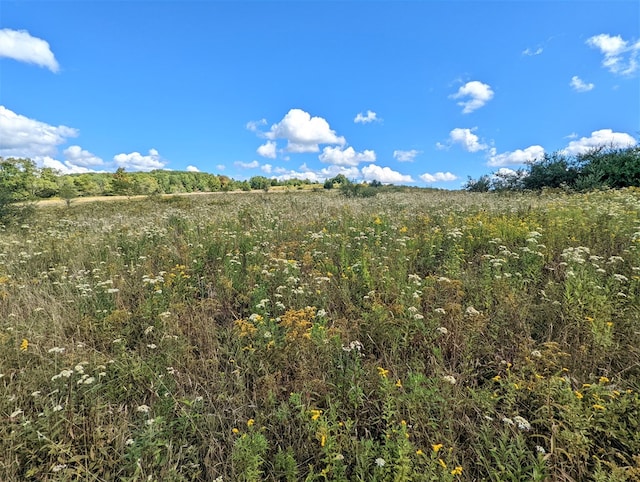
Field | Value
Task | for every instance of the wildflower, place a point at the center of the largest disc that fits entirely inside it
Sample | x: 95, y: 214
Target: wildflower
x: 383, y: 372
x: 55, y: 350
x: 536, y: 354
x: 58, y: 467
x: 442, y: 311
x: 235, y: 430
x: 442, y: 463
x: 380, y: 462
x: 339, y: 457
x: 399, y: 383
x: 471, y: 311
x: 598, y: 407
x: 603, y: 380
x: 523, y: 424
x: 540, y: 450
x: 143, y: 408
x: 315, y: 414
x: 497, y: 378
x: 57, y: 408
x: 24, y: 345
x: 442, y: 330
x: 457, y: 471
x: 436, y: 447
x: 419, y: 452
x: 449, y: 379
x: 250, y: 422
x: 507, y: 421
x: 129, y: 441
x: 578, y: 394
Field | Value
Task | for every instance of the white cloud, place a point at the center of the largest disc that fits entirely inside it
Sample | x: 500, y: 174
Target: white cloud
x: 406, y: 156
x: 20, y: 45
x: 603, y: 137
x: 77, y: 156
x: 266, y: 168
x: 384, y: 175
x: 303, y: 132
x: 366, y: 119
x: 65, y: 167
x: 267, y: 150
x: 346, y: 157
x: 579, y: 85
x: 220, y: 167
x: 466, y: 138
x: 254, y: 126
x: 530, y: 52
x: 247, y: 165
x: 135, y: 161
x: 25, y: 137
x: 438, y: 177
x: 620, y: 56
x: 192, y: 169
x: 476, y: 93
x: 519, y: 156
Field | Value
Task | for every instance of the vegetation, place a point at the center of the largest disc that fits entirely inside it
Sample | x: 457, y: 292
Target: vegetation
x: 602, y: 167
x: 423, y: 336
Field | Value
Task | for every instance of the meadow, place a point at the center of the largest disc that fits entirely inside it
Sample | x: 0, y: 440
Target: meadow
x: 411, y: 336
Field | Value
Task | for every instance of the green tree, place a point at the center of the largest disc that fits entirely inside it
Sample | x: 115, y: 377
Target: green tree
x: 122, y: 184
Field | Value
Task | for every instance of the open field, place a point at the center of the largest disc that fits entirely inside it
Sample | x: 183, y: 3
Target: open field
x: 422, y: 336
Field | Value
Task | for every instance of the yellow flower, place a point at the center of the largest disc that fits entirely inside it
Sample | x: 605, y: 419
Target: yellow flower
x: 235, y: 430
x: 24, y: 345
x: 456, y: 471
x: 497, y: 378
x: 323, y: 440
x: 578, y: 394
x: 399, y: 383
x: 419, y: 452
x: 383, y: 372
x: 404, y: 229
x: 250, y: 422
x: 603, y: 380
x: 315, y: 414
x: 436, y: 447
x: 377, y: 221
x: 598, y: 407
x: 443, y: 463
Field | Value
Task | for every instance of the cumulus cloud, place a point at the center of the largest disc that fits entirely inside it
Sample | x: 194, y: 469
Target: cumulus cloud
x: 475, y: 94
x: 406, y: 156
x: 620, y: 56
x: 247, y: 165
x: 466, y: 138
x: 65, y: 167
x: 346, y: 157
x: 531, y: 52
x: 603, y: 137
x: 192, y: 169
x: 77, y: 156
x: 267, y: 150
x: 25, y: 137
x: 519, y: 156
x: 135, y: 161
x: 21, y: 46
x: 303, y: 132
x: 579, y: 85
x: 220, y: 167
x: 266, y: 168
x: 366, y: 119
x: 438, y: 177
x: 373, y: 172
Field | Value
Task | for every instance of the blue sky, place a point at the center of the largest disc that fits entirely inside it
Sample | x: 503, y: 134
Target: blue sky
x: 421, y: 93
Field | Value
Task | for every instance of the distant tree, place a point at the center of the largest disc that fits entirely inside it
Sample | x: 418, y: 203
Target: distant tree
x: 68, y: 191
x: 260, y: 182
x: 610, y: 166
x: 17, y: 187
x: 122, y: 183
x: 482, y: 184
x: 553, y: 170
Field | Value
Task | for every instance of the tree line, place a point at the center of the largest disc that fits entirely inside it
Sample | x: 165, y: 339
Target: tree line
x: 600, y: 168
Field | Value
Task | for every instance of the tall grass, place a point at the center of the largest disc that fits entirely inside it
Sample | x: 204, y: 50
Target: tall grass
x: 307, y: 336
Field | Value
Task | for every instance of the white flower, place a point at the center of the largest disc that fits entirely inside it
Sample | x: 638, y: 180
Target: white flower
x: 523, y: 424
x: 58, y: 467
x: 471, y: 311
x: 507, y: 421
x: 540, y: 450
x: 129, y: 441
x: 380, y: 462
x: 143, y: 408
x: 449, y: 379
x: 56, y: 350
x: 57, y: 408
x: 442, y: 330
x: 536, y: 354
x: 440, y: 310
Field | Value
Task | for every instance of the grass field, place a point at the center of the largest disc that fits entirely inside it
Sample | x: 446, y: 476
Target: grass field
x: 418, y: 336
